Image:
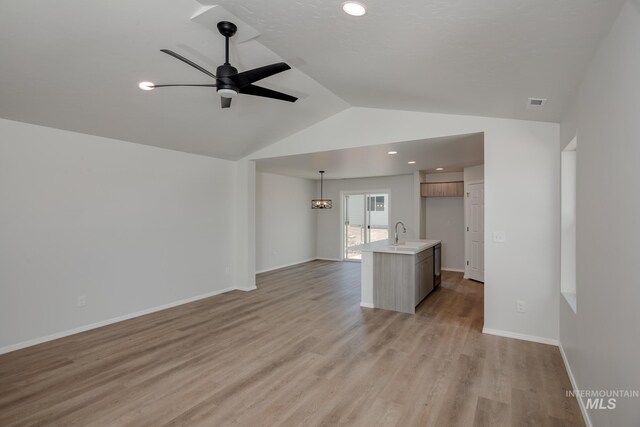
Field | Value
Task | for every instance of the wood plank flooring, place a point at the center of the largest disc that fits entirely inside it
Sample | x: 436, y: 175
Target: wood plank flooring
x: 298, y: 351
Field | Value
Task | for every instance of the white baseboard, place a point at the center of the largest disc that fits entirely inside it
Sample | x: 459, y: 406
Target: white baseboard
x: 574, y: 385
x: 247, y: 288
x: 367, y: 305
x: 285, y: 265
x: 532, y: 338
x: 62, y: 334
x: 329, y: 259
x: 455, y: 270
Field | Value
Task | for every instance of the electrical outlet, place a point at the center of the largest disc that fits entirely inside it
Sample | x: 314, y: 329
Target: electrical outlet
x: 499, y: 236
x: 82, y: 301
x: 521, y: 307
x: 227, y: 270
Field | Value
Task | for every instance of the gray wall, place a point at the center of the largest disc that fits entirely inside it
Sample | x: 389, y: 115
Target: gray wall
x: 129, y: 226
x: 444, y: 220
x: 285, y: 222
x: 601, y: 341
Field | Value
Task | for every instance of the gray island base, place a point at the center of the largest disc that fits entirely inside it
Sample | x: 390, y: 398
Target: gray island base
x: 399, y: 277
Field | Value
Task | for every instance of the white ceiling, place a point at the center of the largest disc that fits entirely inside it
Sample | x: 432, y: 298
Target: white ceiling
x: 75, y: 64
x: 478, y: 57
x: 452, y: 153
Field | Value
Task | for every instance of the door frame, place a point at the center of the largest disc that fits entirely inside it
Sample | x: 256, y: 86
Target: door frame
x: 467, y: 243
x: 342, y: 213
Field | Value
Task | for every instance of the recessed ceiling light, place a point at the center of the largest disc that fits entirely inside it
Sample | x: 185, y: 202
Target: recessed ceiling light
x: 439, y: 169
x: 392, y: 152
x: 354, y: 8
x: 146, y: 86
x: 412, y: 162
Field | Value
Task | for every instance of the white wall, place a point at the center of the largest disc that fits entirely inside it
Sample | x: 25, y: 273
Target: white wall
x: 474, y: 173
x: 329, y: 244
x: 285, y: 222
x: 444, y: 220
x: 601, y: 341
x: 522, y: 196
x: 443, y: 177
x: 244, y: 224
x: 131, y: 227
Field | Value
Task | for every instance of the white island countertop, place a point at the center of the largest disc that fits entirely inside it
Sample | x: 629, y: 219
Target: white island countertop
x: 409, y: 247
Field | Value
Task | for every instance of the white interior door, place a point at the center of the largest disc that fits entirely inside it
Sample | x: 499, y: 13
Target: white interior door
x: 475, y: 232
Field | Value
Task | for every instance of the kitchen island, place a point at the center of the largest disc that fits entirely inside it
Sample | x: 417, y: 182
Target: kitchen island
x: 399, y: 277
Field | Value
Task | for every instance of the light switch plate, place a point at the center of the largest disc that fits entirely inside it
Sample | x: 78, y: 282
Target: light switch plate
x: 499, y: 236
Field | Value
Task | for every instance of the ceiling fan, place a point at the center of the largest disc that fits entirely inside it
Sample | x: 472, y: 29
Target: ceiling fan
x: 229, y: 82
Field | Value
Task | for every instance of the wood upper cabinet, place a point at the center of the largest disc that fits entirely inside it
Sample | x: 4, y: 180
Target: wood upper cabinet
x: 442, y: 189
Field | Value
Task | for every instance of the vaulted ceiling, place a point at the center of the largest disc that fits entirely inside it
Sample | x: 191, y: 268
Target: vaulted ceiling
x: 75, y: 64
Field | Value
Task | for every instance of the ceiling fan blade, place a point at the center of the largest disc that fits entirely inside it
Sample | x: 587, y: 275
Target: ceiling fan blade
x: 211, y: 85
x: 267, y: 93
x: 251, y: 76
x: 186, y: 61
x: 225, y: 102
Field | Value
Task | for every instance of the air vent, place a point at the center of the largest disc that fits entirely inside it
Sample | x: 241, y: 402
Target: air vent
x: 536, y: 103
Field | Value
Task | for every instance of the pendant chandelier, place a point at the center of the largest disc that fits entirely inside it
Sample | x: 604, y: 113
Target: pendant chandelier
x: 321, y: 203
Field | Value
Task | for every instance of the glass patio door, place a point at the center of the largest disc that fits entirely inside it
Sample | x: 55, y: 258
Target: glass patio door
x: 366, y: 220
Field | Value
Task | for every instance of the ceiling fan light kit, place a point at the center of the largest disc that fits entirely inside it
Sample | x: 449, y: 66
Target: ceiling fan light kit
x: 228, y: 82
x: 146, y: 86
x: 227, y: 93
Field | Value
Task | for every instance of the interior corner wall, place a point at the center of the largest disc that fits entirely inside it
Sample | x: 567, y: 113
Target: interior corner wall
x: 444, y: 220
x: 401, y: 206
x: 244, y: 226
x: 600, y: 341
x: 418, y: 204
x: 130, y: 227
x: 285, y: 222
x: 421, y: 210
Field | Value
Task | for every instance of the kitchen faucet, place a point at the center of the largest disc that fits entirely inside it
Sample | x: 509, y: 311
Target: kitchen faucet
x: 404, y: 230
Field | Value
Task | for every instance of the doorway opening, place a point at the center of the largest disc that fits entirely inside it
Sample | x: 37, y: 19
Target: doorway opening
x: 366, y: 220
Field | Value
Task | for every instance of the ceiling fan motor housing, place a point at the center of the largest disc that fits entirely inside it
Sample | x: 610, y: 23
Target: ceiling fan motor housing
x: 223, y: 73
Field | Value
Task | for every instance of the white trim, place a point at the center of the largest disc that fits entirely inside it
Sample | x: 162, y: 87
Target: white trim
x: 329, y: 259
x: 246, y: 289
x: 367, y: 305
x: 455, y: 270
x: 574, y: 385
x: 508, y: 334
x: 62, y: 334
x: 285, y: 265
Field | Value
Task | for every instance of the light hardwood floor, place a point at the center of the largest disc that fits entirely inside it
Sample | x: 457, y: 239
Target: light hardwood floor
x: 299, y: 351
